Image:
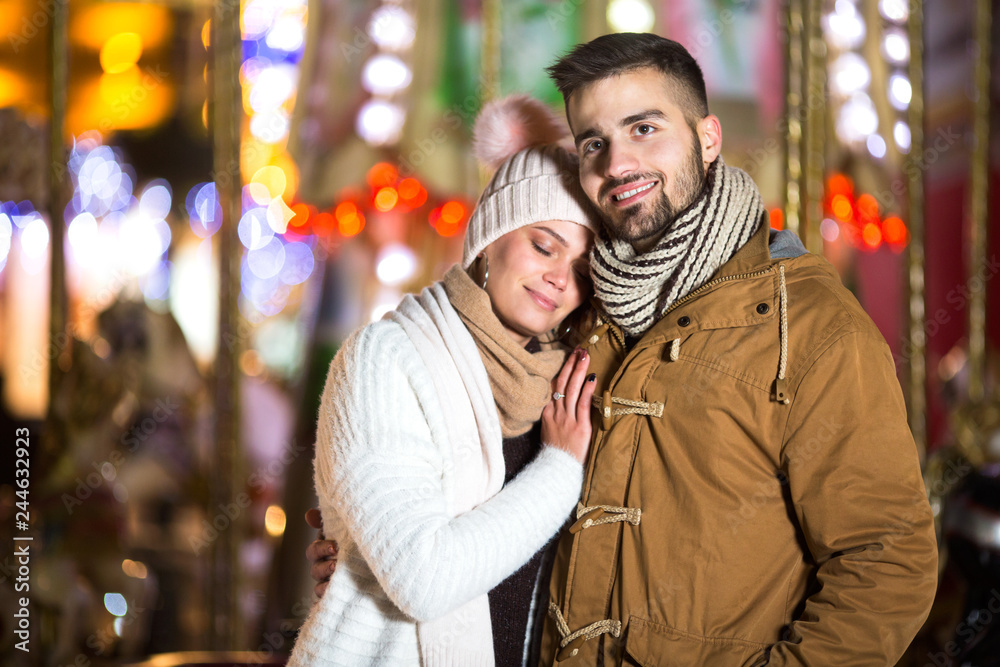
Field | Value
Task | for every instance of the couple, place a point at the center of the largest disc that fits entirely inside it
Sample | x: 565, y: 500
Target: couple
x: 751, y: 494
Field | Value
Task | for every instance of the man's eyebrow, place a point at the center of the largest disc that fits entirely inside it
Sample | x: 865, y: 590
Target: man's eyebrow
x: 642, y: 115
x: 589, y: 133
x: 556, y: 235
x: 624, y: 122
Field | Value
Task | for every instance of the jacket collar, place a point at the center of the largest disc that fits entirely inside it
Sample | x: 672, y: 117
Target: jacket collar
x: 753, y: 256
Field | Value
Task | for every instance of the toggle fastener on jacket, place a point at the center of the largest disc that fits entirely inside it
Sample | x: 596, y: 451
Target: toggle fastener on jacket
x: 601, y: 514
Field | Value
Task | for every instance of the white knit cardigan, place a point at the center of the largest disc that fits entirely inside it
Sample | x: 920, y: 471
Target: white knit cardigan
x: 385, y: 473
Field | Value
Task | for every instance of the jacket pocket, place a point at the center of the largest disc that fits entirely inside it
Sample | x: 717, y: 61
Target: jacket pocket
x: 653, y: 644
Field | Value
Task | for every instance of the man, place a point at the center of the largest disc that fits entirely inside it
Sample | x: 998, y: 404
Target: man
x: 753, y: 494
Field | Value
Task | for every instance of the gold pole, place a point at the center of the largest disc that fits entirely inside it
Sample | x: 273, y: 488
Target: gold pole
x: 226, y: 120
x: 490, y: 59
x: 916, y: 343
x: 58, y: 303
x: 794, y: 73
x: 489, y: 62
x: 814, y: 156
x: 979, y: 196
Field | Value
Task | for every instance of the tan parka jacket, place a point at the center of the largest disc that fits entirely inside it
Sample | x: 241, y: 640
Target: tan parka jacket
x: 739, y: 509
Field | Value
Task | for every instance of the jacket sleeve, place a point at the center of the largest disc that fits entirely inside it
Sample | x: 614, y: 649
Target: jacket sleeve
x: 854, y: 479
x: 377, y: 464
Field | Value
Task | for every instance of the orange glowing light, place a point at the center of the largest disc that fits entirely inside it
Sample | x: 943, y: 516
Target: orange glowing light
x: 871, y: 235
x: 777, y: 217
x: 842, y: 208
x: 447, y: 219
x: 206, y: 34
x: 323, y: 223
x: 868, y: 206
x: 382, y: 174
x: 286, y: 164
x: 130, y: 100
x: 13, y: 88
x: 351, y: 226
x: 300, y: 218
x: 121, y: 52
x: 839, y: 184
x: 94, y: 24
x: 894, y: 230
x: 350, y: 220
x: 272, y: 179
x: 409, y: 188
x: 386, y: 198
x: 452, y: 213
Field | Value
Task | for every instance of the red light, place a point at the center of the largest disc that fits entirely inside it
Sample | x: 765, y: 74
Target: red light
x: 839, y: 184
x: 894, y: 231
x: 842, y: 208
x: 323, y: 223
x: 871, y: 235
x: 777, y: 218
x: 381, y: 175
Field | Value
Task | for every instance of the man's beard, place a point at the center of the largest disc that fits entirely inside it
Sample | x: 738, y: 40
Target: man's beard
x: 635, y: 223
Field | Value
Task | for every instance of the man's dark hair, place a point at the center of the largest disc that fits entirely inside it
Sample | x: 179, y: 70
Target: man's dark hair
x: 622, y: 52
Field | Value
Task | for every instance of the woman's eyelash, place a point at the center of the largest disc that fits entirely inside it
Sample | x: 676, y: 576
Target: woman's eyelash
x: 541, y: 249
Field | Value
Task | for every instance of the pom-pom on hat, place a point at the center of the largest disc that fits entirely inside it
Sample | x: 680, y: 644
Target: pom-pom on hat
x: 536, y: 179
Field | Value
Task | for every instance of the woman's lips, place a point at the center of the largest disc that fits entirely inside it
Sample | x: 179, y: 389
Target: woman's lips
x: 543, y: 301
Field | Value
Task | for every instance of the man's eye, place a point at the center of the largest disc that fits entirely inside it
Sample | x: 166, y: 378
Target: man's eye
x: 644, y: 129
x: 592, y: 146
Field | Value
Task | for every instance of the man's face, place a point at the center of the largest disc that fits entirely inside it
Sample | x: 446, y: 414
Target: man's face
x: 641, y: 162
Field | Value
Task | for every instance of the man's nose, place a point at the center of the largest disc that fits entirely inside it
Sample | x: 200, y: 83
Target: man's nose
x: 621, y: 161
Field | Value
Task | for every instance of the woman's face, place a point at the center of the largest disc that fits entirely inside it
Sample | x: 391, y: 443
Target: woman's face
x: 539, y: 274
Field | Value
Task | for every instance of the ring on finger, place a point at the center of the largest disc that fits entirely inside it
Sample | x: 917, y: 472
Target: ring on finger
x: 556, y: 396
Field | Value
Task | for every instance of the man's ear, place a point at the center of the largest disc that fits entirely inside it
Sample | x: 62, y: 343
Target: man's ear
x: 710, y: 136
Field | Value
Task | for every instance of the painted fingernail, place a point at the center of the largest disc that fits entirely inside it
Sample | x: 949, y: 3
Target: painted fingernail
x: 591, y: 377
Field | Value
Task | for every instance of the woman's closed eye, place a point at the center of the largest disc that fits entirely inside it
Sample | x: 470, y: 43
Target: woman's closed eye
x: 540, y: 249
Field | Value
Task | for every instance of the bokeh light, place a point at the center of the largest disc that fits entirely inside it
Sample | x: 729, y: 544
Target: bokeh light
x: 391, y: 28
x: 204, y: 210
x: 274, y: 521
x: 115, y: 603
x: 121, y: 52
x: 380, y: 122
x: 254, y: 230
x: 630, y: 16
x: 35, y: 237
x: 155, y: 200
x: 395, y: 264
x: 385, y: 74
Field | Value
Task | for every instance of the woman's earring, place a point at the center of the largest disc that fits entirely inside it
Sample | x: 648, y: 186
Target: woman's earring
x: 486, y: 273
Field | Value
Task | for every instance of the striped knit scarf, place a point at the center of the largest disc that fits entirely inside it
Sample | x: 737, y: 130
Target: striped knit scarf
x: 636, y: 290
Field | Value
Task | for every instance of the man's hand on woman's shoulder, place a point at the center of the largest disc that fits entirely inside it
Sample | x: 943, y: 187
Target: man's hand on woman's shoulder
x: 322, y: 554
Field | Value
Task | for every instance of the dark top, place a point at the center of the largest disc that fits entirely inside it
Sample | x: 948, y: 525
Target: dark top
x: 510, y: 601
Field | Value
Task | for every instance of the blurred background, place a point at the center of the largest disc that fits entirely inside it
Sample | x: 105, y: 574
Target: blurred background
x: 199, y: 201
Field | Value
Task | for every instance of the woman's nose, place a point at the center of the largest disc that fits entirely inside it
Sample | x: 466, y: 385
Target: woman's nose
x: 558, y: 275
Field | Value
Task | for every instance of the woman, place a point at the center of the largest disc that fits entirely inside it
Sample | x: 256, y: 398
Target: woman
x: 420, y: 409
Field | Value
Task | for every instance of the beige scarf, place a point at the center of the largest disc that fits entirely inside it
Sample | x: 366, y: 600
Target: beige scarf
x: 521, y: 381
x: 636, y: 289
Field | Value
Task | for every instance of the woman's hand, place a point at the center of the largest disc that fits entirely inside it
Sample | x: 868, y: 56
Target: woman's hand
x: 566, y: 421
x: 321, y: 554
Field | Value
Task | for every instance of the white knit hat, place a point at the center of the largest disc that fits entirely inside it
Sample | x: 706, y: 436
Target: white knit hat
x: 537, y: 179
